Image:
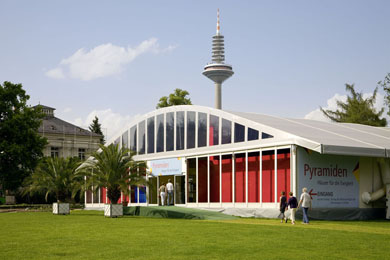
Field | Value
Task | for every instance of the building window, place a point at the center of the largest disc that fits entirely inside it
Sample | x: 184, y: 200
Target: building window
x: 141, y: 137
x: 82, y: 153
x: 202, y: 129
x: 151, y: 135
x: 266, y: 136
x: 54, y: 152
x: 253, y: 134
x: 160, y: 133
x: 133, y: 138
x: 226, y: 131
x: 239, y: 133
x: 125, y: 140
x: 180, y: 130
x: 170, y: 128
x: 214, y: 130
x: 190, y: 130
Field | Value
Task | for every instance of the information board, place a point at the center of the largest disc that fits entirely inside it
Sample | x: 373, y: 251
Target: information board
x: 163, y: 167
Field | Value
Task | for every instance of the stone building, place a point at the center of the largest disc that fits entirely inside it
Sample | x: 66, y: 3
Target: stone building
x: 65, y: 139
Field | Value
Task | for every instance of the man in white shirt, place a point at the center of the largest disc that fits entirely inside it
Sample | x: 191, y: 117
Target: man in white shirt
x: 170, y: 192
x: 305, y: 201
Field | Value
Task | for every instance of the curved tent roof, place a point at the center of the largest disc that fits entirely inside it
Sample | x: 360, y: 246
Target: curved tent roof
x: 323, y: 137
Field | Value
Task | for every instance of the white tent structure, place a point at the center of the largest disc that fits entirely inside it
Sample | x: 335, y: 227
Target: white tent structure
x: 240, y: 162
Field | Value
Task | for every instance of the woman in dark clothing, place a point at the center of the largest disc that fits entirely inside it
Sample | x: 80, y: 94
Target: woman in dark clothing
x: 283, y: 206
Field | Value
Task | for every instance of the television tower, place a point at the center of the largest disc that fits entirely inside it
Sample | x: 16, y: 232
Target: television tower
x: 217, y: 70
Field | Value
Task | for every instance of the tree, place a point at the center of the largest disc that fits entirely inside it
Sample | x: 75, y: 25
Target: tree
x: 178, y: 97
x: 113, y: 168
x: 56, y: 176
x: 20, y: 144
x: 96, y: 128
x: 357, y: 109
x: 385, y: 84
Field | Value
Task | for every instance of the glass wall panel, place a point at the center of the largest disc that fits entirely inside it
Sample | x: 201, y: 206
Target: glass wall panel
x: 170, y: 128
x: 180, y: 189
x: 191, y: 180
x: 227, y: 178
x: 239, y: 133
x: 283, y: 171
x: 226, y: 131
x: 253, y: 134
x: 214, y: 130
x: 266, y: 136
x: 254, y: 177
x: 102, y: 195
x: 125, y: 139
x: 202, y: 129
x: 214, y: 178
x: 202, y: 179
x: 141, y: 137
x: 133, y: 194
x: 240, y: 181
x: 151, y: 135
x: 160, y: 133
x: 180, y: 130
x: 89, y: 196
x: 153, y: 190
x: 190, y: 129
x: 133, y: 138
x: 268, y: 176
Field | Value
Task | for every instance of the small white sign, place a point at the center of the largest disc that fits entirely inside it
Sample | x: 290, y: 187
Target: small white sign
x: 166, y: 167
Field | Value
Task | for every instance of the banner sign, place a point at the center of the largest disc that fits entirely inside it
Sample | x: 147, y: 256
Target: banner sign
x: 331, y: 180
x: 166, y: 167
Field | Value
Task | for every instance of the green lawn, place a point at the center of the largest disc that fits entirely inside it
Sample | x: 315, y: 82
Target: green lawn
x: 88, y: 235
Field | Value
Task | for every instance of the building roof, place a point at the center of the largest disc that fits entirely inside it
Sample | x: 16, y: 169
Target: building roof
x: 319, y: 136
x: 54, y: 125
x: 329, y: 137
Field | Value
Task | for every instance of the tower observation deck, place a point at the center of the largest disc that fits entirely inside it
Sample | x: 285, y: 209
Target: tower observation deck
x: 217, y: 70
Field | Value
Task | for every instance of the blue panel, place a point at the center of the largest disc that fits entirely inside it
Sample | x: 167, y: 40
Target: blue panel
x: 142, y: 195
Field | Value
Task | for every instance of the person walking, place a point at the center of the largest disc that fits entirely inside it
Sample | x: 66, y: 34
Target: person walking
x: 292, y: 204
x: 282, y: 206
x: 170, y: 193
x: 305, y: 202
x: 162, y: 191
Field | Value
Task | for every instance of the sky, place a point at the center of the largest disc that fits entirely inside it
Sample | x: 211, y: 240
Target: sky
x: 116, y: 59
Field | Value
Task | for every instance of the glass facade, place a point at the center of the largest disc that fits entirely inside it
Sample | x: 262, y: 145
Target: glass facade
x: 133, y: 138
x: 202, y: 180
x: 226, y: 131
x: 151, y: 135
x: 141, y: 137
x: 202, y: 129
x: 253, y: 134
x: 239, y: 133
x: 160, y: 133
x: 180, y: 130
x: 214, y: 130
x: 191, y: 129
x: 170, y: 131
x: 125, y: 140
x: 191, y: 180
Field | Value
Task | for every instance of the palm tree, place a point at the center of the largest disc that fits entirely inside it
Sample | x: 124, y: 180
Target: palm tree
x: 56, y: 176
x: 115, y: 169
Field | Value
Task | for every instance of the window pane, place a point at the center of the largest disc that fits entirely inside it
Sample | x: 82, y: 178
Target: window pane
x: 239, y: 133
x: 190, y: 130
x: 202, y: 179
x: 180, y: 130
x: 214, y: 129
x: 160, y: 133
x: 227, y: 178
x: 133, y: 138
x: 191, y: 180
x: 239, y: 177
x: 226, y: 131
x: 151, y: 135
x: 169, y: 125
x: 265, y: 136
x: 214, y: 178
x: 141, y: 137
x: 253, y: 134
x: 125, y: 140
x: 202, y: 129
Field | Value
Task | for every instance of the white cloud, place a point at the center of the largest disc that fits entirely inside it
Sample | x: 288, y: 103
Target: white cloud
x: 112, y: 123
x: 332, y: 105
x: 67, y: 110
x: 103, y: 60
x: 55, y: 73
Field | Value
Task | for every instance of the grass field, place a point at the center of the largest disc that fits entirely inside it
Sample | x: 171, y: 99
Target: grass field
x: 88, y: 235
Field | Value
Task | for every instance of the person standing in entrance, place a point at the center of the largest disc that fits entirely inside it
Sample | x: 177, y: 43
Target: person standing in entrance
x: 162, y: 191
x: 170, y: 192
x: 292, y: 203
x: 305, y: 202
x: 282, y: 206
